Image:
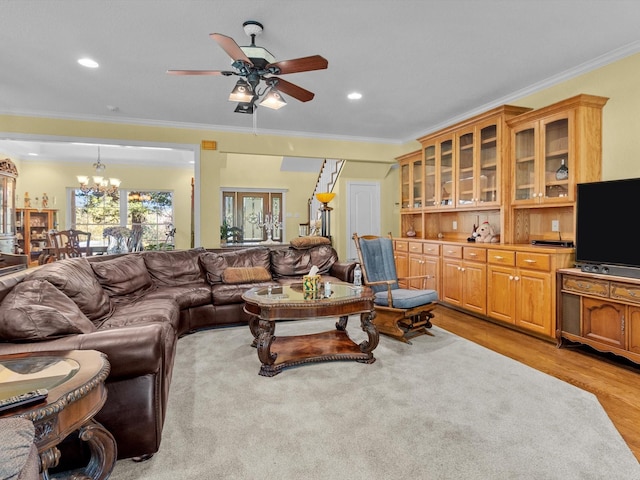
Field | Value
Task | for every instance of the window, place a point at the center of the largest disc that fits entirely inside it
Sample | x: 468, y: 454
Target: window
x: 245, y: 213
x: 148, y: 214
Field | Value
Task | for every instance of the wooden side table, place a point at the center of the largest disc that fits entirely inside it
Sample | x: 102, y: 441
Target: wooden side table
x: 75, y: 381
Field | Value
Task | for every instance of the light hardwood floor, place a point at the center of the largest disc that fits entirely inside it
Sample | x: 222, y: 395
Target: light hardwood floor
x: 614, y: 381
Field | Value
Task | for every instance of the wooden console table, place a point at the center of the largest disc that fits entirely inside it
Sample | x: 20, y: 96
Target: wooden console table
x: 75, y: 382
x: 267, y: 305
x: 602, y: 311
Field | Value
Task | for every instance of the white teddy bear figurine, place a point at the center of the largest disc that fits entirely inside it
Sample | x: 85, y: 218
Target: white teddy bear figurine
x: 486, y: 234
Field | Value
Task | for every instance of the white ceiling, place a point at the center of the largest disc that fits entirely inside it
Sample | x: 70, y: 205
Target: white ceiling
x: 420, y: 64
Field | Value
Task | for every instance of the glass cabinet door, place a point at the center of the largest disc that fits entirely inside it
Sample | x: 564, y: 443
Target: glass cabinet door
x: 557, y: 163
x: 405, y: 179
x: 446, y: 172
x: 465, y: 170
x: 524, y: 169
x: 430, y: 197
x: 488, y: 179
x: 416, y: 179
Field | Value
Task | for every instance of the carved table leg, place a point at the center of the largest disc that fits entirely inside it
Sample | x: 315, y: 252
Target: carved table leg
x: 367, y: 346
x: 258, y: 326
x: 264, y: 342
x: 341, y: 324
x: 103, y: 450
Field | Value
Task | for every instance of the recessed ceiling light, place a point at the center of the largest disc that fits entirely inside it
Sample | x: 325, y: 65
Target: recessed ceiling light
x: 31, y: 154
x: 87, y: 62
x: 354, y: 96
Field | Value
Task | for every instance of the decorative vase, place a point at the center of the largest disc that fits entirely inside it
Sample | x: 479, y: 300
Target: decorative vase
x: 117, y: 245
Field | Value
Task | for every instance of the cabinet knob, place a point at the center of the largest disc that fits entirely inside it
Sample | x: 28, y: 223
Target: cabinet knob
x: 462, y: 269
x: 473, y: 254
x: 516, y: 278
x: 528, y: 260
x: 510, y: 277
x: 499, y: 257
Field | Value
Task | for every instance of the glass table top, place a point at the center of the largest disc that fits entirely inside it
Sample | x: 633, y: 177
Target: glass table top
x: 294, y: 293
x: 20, y: 375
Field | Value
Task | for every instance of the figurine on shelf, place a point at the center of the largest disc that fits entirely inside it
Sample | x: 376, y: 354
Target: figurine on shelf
x: 45, y: 201
x: 27, y: 200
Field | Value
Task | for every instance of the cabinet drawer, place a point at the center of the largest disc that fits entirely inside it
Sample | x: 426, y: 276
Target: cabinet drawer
x: 474, y: 253
x: 535, y: 261
x: 402, y: 246
x: 502, y: 257
x: 431, y: 249
x: 626, y: 292
x: 453, y: 251
x: 415, y: 247
x: 589, y: 286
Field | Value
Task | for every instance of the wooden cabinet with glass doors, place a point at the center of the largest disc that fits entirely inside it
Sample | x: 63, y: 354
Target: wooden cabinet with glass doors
x: 32, y: 226
x: 462, y: 171
x: 411, y: 193
x: 8, y: 175
x: 553, y: 149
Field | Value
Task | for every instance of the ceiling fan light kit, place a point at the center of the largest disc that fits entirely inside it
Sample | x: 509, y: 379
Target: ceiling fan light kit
x: 255, y: 64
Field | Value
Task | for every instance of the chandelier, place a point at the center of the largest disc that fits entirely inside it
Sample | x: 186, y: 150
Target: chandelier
x: 101, y: 185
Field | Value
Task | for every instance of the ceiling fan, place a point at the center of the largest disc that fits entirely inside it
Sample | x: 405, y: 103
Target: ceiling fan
x: 255, y: 64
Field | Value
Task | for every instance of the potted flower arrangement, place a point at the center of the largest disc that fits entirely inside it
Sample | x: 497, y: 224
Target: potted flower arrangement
x: 118, y: 237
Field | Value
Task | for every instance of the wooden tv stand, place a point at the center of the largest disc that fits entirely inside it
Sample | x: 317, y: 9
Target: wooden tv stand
x: 602, y: 311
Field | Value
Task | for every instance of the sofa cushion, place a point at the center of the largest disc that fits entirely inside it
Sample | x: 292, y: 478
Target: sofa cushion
x: 309, y: 241
x: 75, y: 278
x: 123, y: 275
x: 186, y: 296
x: 173, y: 268
x: 37, y: 310
x: 228, y: 293
x: 216, y: 263
x: 245, y: 275
x: 145, y: 311
x: 296, y: 263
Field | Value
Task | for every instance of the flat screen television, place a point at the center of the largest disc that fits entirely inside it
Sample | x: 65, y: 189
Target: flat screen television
x: 607, y: 224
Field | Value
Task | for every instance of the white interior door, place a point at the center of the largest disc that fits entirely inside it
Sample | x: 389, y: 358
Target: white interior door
x: 363, y: 205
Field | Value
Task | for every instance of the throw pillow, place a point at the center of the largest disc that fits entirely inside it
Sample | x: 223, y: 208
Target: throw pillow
x: 36, y: 310
x: 123, y: 275
x: 76, y: 280
x: 215, y: 264
x: 302, y: 243
x: 245, y: 275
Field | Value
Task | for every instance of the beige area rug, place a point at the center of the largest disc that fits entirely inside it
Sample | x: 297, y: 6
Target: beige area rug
x: 442, y: 408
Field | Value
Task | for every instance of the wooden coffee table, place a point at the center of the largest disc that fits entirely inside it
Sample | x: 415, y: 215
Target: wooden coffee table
x: 267, y: 305
x: 75, y: 382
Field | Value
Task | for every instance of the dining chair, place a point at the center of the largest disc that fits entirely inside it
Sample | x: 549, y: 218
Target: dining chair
x: 70, y: 243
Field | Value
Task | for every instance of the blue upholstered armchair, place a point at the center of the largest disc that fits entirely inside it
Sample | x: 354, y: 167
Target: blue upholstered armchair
x: 401, y: 313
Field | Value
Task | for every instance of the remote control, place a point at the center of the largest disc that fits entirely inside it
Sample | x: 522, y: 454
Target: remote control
x: 23, y: 399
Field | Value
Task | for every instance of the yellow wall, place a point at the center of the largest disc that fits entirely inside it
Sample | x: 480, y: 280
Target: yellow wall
x: 40, y: 177
x: 620, y: 118
x: 365, y: 160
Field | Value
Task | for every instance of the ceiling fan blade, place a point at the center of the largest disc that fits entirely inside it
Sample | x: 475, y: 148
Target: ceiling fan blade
x: 305, y: 64
x: 199, y: 72
x: 230, y: 46
x: 294, y: 90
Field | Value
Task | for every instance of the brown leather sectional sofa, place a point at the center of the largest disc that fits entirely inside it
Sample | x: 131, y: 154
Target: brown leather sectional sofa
x: 134, y: 307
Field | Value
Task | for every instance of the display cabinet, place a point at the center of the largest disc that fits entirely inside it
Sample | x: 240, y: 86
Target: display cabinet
x: 463, y: 172
x: 552, y: 149
x: 32, y: 226
x: 8, y: 176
